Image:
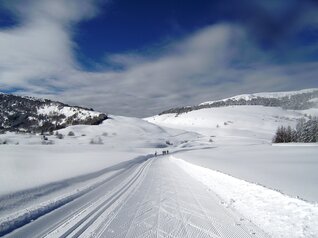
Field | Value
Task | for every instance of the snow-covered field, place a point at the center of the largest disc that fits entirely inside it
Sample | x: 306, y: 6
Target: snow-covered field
x: 291, y: 170
x: 275, y: 186
x: 38, y: 176
x: 242, y: 137
x: 256, y: 122
x: 24, y: 167
x: 275, y: 213
x: 105, y: 180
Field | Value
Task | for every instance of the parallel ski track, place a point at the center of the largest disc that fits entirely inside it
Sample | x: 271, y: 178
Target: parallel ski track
x: 169, y: 203
x: 80, y: 226
x: 150, y: 199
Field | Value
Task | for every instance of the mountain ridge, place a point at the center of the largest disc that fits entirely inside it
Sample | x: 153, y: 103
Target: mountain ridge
x: 294, y: 100
x: 30, y: 114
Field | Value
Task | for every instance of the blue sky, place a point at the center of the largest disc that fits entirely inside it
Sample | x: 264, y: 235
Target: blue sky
x: 140, y: 57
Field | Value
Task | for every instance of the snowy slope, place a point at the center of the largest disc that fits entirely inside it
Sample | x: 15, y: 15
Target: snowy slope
x: 249, y: 97
x: 295, y: 100
x: 243, y: 135
x: 257, y: 122
x: 275, y: 213
x: 288, y: 169
x: 79, y: 170
x: 26, y: 160
x: 240, y: 116
x: 105, y: 180
x: 28, y: 114
x: 274, y: 186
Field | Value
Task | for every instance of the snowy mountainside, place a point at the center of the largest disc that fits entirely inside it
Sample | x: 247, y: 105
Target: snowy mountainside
x: 120, y: 132
x: 293, y: 100
x: 248, y: 121
x: 115, y: 133
x: 288, y: 94
x: 115, y: 140
x: 250, y: 115
x: 28, y: 114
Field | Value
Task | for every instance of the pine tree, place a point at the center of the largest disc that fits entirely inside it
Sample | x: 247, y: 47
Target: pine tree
x: 306, y: 131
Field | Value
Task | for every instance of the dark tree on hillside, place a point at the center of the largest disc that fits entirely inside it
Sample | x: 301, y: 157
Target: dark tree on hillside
x: 284, y: 135
x: 306, y: 131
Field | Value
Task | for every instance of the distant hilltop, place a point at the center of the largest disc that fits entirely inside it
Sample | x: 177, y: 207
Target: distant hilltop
x: 28, y: 114
x: 293, y: 100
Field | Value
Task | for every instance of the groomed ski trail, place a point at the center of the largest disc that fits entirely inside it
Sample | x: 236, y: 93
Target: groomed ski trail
x: 169, y: 203
x: 153, y: 199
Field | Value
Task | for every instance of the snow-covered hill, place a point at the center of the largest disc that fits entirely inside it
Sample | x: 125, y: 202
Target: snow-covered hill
x: 312, y: 92
x: 242, y: 136
x: 251, y: 115
x: 108, y: 180
x: 36, y: 115
x: 293, y: 100
x: 113, y: 141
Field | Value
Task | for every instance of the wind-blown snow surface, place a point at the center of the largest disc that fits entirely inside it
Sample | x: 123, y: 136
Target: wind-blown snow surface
x: 31, y: 163
x: 105, y: 178
x: 266, y: 183
x: 39, y: 175
x: 291, y: 170
x: 265, y: 95
x: 256, y: 122
x: 277, y: 214
x: 242, y: 136
x: 27, y: 166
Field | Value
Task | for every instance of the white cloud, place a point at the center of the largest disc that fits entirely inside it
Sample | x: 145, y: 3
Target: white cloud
x: 213, y: 63
x: 39, y: 50
x: 218, y: 61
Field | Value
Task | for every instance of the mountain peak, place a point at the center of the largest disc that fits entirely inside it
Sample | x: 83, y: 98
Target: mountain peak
x: 29, y: 114
x: 294, y: 100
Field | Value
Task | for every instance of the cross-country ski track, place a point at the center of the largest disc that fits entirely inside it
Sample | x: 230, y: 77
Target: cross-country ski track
x: 153, y: 198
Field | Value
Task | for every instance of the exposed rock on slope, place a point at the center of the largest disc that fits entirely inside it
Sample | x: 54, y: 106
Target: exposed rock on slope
x: 41, y: 115
x: 295, y: 100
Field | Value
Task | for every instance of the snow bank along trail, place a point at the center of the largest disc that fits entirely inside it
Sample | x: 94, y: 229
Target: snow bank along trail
x: 169, y: 203
x: 155, y: 198
x: 276, y: 213
x: 44, y: 217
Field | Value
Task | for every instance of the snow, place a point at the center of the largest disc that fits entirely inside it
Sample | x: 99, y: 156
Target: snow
x: 155, y: 198
x: 42, y: 177
x: 268, y: 184
x: 314, y: 100
x: 119, y: 133
x: 233, y: 120
x: 169, y: 203
x: 264, y: 95
x: 31, y: 164
x: 46, y: 204
x: 275, y: 213
x: 27, y: 166
x: 79, y: 113
x: 224, y: 177
x: 291, y: 169
x: 243, y: 147
x: 311, y: 111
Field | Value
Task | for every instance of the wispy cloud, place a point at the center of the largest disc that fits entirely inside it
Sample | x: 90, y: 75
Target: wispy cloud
x: 37, y: 56
x: 39, y: 50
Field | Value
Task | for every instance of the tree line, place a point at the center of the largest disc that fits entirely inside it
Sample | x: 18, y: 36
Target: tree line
x: 306, y: 131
